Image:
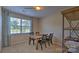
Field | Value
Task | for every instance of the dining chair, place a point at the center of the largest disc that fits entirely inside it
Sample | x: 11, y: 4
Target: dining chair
x: 42, y: 41
x: 31, y: 39
x: 49, y: 38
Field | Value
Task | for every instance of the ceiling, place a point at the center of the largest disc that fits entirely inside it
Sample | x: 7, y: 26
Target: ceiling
x: 33, y: 13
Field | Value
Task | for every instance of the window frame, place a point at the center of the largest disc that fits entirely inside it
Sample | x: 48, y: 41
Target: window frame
x: 21, y: 26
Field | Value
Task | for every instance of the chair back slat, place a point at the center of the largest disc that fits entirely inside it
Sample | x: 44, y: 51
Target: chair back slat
x: 51, y: 36
x: 44, y: 37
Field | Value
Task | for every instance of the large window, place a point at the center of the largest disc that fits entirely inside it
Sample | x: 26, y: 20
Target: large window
x: 26, y: 26
x: 18, y: 25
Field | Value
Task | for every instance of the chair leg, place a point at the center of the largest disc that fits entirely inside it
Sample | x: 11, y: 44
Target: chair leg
x: 45, y: 45
x: 29, y: 42
x: 41, y: 45
x: 37, y: 46
x: 51, y: 42
x: 48, y: 43
x: 33, y: 42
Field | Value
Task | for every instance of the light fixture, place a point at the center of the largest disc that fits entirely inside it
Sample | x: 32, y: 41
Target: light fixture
x: 38, y: 8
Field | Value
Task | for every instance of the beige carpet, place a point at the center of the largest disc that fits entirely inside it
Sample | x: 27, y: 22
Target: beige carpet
x: 24, y: 47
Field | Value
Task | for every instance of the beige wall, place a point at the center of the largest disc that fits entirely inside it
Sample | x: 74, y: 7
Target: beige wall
x: 35, y: 25
x: 0, y: 29
x: 52, y: 24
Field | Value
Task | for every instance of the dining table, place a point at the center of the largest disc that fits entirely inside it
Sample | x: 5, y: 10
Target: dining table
x: 37, y: 38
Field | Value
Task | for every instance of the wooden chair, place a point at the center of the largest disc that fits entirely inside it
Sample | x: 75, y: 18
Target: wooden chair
x: 49, y: 39
x: 42, y: 41
x: 31, y: 39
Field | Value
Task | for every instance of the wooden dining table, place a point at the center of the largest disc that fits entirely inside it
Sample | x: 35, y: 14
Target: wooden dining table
x: 36, y: 39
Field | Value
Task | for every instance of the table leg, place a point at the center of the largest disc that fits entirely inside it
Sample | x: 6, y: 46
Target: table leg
x: 37, y: 44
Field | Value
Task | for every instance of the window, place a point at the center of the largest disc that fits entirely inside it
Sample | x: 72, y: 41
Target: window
x: 26, y: 26
x: 15, y: 25
x: 18, y: 25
